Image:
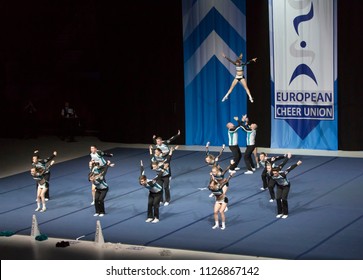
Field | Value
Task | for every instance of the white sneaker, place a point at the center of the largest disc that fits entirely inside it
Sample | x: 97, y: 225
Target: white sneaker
x: 96, y: 214
x: 263, y: 189
x: 257, y: 165
x: 37, y: 209
x: 161, y: 203
x: 148, y: 220
x: 224, y: 98
x: 43, y: 209
x: 271, y: 200
x: 156, y: 220
x: 284, y: 216
x: 92, y: 203
x: 253, y: 169
x: 223, y: 227
x: 279, y: 216
x: 226, y: 209
x: 211, y: 195
x: 166, y: 203
x: 251, y: 99
x: 249, y: 172
x: 237, y: 168
x: 101, y: 215
x: 46, y: 199
x: 215, y: 226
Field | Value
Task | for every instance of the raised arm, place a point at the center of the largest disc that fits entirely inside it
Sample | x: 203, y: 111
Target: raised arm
x: 173, y: 137
x: 104, y: 154
x: 142, y: 169
x: 251, y: 60
x: 48, y: 166
x: 230, y: 60
x: 151, y: 150
x: 172, y: 150
x: 220, y: 153
x: 207, y: 148
x: 285, y: 157
x: 288, y: 170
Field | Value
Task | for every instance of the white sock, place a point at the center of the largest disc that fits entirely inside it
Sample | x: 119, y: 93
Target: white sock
x: 223, y: 225
x: 215, y: 225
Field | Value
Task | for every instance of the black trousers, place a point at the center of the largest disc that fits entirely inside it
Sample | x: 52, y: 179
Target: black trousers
x: 248, y: 157
x: 153, y: 204
x: 237, y: 155
x: 264, y: 178
x: 268, y: 183
x: 165, y: 182
x: 100, y: 196
x: 272, y: 191
x: 282, y: 193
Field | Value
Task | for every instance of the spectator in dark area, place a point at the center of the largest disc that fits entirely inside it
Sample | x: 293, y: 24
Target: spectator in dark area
x: 30, y: 123
x: 69, y: 122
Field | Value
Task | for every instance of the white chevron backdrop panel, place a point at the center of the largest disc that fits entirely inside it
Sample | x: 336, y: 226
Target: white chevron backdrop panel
x: 210, y: 28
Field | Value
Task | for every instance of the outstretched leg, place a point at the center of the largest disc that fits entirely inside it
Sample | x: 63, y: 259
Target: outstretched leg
x: 244, y: 84
x: 234, y: 83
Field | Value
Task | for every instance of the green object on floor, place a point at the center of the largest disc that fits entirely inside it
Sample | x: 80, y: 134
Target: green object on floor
x: 41, y: 237
x: 6, y: 233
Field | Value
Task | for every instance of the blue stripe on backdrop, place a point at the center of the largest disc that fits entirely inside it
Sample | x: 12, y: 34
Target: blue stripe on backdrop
x: 211, y: 28
x: 213, y: 21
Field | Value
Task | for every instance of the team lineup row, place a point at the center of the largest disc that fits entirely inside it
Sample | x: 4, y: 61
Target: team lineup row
x: 159, y: 186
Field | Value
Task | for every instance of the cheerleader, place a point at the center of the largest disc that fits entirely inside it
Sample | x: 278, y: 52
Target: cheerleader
x: 239, y: 78
x: 97, y: 178
x: 219, y: 189
x: 39, y: 175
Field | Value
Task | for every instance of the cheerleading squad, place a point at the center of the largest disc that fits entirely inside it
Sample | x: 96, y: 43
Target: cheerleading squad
x: 273, y: 176
x: 158, y: 186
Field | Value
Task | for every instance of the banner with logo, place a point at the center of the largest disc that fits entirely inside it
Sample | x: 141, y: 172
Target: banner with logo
x: 303, y: 43
x: 210, y: 28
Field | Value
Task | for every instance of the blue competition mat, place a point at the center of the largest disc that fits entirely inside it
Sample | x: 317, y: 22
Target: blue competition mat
x: 325, y: 205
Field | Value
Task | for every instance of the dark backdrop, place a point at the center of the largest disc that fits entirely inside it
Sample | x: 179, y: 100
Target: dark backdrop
x: 121, y: 65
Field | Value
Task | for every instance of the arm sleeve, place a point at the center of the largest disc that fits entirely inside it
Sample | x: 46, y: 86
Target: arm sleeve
x: 103, y: 154
x: 245, y: 127
x: 289, y: 169
x: 282, y: 164
x: 142, y: 170
x: 277, y: 158
x: 49, y: 158
x: 172, y: 138
x: 168, y: 158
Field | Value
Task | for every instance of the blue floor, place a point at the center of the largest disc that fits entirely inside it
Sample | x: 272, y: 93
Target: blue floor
x: 325, y: 201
